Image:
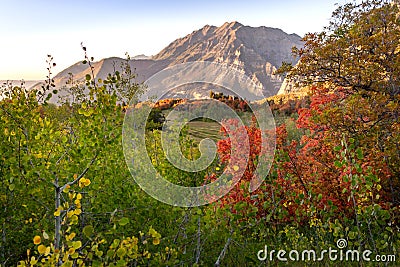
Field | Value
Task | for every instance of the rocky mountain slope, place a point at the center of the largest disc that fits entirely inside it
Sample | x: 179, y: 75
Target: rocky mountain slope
x: 254, y: 51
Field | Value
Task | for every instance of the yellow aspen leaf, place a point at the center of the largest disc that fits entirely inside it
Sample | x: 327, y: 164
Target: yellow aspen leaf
x: 152, y: 232
x: 86, y: 182
x: 37, y: 240
x: 77, y: 211
x: 79, y: 196
x: 81, y: 182
x: 76, y: 244
x: 58, y: 211
x: 47, y: 252
x: 75, y: 176
x: 42, y: 249
x: 33, y: 260
x: 235, y: 168
x: 70, y: 236
x: 70, y: 213
x: 66, y: 263
x: 74, y: 220
x: 66, y: 189
x: 71, y: 251
x: 156, y: 241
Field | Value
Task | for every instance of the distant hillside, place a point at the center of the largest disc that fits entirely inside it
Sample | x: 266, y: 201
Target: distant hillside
x: 27, y: 84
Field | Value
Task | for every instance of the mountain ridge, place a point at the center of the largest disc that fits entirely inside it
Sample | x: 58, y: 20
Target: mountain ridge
x: 254, y: 51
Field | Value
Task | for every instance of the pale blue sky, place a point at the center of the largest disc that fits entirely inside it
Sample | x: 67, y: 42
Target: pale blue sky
x: 30, y: 30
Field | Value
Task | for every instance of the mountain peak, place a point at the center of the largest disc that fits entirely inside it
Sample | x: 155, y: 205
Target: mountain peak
x: 257, y: 51
x: 254, y: 51
x: 232, y: 25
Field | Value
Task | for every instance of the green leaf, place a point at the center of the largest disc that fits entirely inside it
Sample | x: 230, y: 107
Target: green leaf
x: 88, y: 230
x: 352, y: 235
x: 115, y: 243
x: 110, y: 253
x: 124, y: 221
x: 338, y: 164
x: 337, y: 148
x: 88, y: 77
x: 358, y: 167
x: 11, y: 187
x: 359, y: 153
x: 121, y: 263
x: 121, y: 252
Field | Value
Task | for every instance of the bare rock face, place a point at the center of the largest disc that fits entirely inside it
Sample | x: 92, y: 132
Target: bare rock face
x: 256, y: 52
x: 287, y: 87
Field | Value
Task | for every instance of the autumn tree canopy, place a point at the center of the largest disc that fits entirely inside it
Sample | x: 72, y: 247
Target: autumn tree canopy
x: 357, y: 57
x: 359, y: 49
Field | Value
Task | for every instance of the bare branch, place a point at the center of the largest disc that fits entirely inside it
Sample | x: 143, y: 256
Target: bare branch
x: 81, y: 175
x: 223, y: 252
